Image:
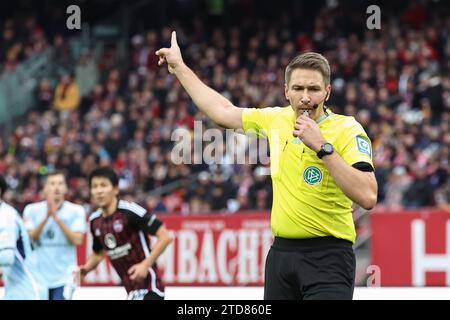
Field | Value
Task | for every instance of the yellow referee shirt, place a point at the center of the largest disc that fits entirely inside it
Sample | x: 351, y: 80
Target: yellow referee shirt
x: 307, y: 203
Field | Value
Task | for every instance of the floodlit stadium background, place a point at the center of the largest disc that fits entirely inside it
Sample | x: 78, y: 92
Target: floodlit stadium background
x: 395, y: 81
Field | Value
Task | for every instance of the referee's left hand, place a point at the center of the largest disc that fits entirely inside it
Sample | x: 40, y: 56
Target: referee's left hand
x: 307, y: 130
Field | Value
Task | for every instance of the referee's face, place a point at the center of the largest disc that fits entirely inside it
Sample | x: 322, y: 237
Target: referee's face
x: 305, y: 89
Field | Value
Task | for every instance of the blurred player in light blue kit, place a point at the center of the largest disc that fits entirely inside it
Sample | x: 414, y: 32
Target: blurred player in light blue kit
x: 56, y: 227
x: 17, y: 260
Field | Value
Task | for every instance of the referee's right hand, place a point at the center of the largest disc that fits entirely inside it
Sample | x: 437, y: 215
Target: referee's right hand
x: 171, y: 55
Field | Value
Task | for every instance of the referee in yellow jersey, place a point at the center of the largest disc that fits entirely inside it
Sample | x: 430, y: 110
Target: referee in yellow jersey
x: 321, y: 162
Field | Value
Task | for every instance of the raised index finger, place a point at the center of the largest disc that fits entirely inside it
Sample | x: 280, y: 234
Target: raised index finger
x: 173, y: 42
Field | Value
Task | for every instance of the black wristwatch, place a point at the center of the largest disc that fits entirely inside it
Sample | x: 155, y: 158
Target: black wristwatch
x: 325, y: 149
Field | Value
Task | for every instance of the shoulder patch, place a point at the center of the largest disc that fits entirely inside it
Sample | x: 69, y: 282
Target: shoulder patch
x: 363, y: 145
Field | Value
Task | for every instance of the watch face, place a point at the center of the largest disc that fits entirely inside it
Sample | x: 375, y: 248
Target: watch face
x: 328, y: 147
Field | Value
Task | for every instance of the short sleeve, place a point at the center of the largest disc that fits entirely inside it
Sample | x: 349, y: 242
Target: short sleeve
x: 257, y: 120
x: 28, y: 218
x: 96, y: 245
x: 147, y: 222
x: 356, y: 145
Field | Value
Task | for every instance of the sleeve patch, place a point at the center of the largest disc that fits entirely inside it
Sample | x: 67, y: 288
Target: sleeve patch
x: 363, y: 146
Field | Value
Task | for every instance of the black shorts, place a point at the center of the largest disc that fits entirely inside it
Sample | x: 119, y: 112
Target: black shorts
x: 153, y: 296
x: 305, y: 269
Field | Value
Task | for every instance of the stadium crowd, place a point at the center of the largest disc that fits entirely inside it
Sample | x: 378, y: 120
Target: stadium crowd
x: 395, y: 81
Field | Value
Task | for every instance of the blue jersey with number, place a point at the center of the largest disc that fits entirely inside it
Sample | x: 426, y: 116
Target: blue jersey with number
x: 55, y: 253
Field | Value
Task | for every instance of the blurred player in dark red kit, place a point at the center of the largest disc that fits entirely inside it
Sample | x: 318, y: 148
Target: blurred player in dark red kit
x: 121, y: 230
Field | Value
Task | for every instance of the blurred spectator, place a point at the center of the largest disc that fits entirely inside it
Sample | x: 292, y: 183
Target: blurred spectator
x: 397, y: 184
x: 260, y: 193
x: 155, y: 204
x: 44, y: 96
x: 419, y: 194
x: 86, y: 73
x: 67, y: 94
x: 61, y: 51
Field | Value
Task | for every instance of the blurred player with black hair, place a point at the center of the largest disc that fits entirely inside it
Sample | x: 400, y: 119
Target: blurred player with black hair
x: 122, y: 230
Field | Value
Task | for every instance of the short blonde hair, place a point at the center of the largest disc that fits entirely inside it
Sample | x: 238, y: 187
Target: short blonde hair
x: 310, y: 61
